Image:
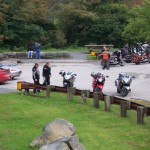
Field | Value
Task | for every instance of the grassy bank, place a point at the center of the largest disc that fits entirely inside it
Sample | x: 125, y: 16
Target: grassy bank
x: 23, y: 117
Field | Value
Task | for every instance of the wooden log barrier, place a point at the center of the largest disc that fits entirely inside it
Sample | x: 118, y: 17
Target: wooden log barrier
x: 111, y: 99
x: 129, y: 105
x: 101, y: 96
x: 26, y: 92
x: 70, y: 92
x: 84, y: 95
x: 48, y: 90
x: 124, y: 108
x: 140, y: 115
x: 107, y: 102
x: 97, y: 96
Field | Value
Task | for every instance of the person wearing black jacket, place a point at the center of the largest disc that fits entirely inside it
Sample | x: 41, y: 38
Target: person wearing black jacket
x: 46, y: 74
x: 36, y: 76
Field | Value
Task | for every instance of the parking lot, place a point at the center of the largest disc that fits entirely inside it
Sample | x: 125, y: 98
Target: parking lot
x: 140, y: 86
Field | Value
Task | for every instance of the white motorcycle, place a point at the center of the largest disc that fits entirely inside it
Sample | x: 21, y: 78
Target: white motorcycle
x: 123, y: 83
x: 68, y: 78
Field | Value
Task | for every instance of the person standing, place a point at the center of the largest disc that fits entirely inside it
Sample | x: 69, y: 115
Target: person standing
x: 46, y: 74
x: 30, y: 50
x: 145, y: 45
x: 105, y: 59
x: 36, y: 76
x: 37, y: 50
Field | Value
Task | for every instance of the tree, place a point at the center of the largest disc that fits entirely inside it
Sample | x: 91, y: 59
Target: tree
x: 76, y: 19
x: 110, y: 23
x: 138, y: 28
x: 3, y: 11
x: 27, y: 20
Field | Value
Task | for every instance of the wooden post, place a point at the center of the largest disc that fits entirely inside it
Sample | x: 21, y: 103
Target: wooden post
x: 124, y: 107
x: 107, y: 103
x: 146, y: 111
x: 26, y: 92
x: 101, y: 96
x: 111, y: 99
x: 129, y: 105
x: 70, y: 92
x: 48, y: 90
x: 140, y: 115
x: 96, y: 99
x: 84, y: 95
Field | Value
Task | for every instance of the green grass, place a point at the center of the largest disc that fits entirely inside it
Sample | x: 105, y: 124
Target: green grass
x: 91, y: 57
x: 23, y: 117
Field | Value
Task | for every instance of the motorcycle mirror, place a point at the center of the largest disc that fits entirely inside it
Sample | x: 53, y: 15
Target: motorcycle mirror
x: 133, y: 76
x: 107, y: 76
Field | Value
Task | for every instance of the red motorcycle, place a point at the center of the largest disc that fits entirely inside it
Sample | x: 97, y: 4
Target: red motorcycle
x: 98, y: 81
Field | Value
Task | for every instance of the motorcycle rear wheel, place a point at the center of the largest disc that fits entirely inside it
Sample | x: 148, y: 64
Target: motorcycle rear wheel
x: 137, y: 63
x: 124, y: 92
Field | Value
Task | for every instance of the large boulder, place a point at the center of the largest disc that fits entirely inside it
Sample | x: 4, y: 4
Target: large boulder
x: 55, y: 130
x: 68, y: 143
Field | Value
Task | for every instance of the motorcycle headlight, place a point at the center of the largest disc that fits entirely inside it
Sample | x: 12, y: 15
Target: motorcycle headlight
x: 122, y: 81
x: 100, y: 80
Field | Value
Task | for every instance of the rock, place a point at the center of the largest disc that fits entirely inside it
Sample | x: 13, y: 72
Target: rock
x: 44, y: 55
x: 68, y: 143
x: 1, y: 56
x: 10, y: 54
x: 55, y: 130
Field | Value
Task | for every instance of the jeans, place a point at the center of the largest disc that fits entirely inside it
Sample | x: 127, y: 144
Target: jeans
x: 30, y: 54
x: 37, y: 54
x: 105, y: 64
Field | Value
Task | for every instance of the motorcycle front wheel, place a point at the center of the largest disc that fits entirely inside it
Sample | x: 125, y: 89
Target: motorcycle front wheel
x: 118, y: 90
x: 124, y: 92
x: 97, y: 90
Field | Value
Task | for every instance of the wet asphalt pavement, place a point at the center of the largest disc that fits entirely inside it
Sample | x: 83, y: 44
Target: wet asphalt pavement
x: 82, y: 67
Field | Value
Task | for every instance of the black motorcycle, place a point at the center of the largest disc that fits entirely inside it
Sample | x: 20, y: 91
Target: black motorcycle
x: 116, y: 60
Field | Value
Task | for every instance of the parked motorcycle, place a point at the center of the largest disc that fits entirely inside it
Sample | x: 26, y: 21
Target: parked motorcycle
x: 140, y: 55
x: 123, y: 83
x: 114, y: 60
x: 98, y: 81
x: 68, y: 78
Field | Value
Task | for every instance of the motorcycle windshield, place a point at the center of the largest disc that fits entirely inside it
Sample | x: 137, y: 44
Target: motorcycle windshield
x: 126, y: 80
x: 67, y: 77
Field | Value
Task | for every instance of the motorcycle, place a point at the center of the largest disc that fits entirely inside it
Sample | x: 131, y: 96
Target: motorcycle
x: 123, y: 83
x: 68, y: 78
x: 98, y: 81
x: 140, y: 55
x: 116, y: 61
